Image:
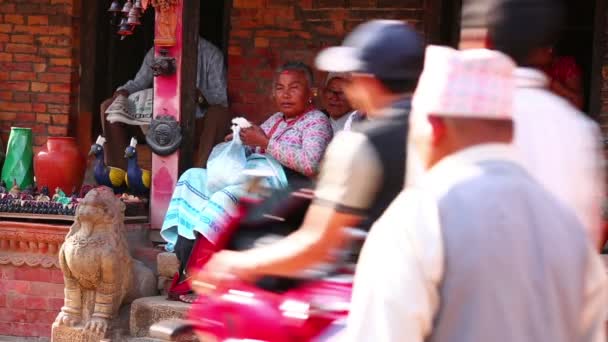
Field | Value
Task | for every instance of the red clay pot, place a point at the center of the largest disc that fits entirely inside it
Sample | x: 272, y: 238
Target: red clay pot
x: 60, y: 164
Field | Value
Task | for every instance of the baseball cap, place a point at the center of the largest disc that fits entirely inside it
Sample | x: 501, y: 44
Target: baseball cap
x: 387, y: 49
x: 332, y: 75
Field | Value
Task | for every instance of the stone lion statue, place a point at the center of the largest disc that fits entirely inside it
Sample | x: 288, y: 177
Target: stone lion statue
x: 98, y: 271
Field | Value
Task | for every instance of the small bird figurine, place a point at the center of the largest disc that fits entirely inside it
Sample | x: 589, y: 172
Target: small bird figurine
x: 15, y: 190
x: 138, y: 180
x: 109, y: 176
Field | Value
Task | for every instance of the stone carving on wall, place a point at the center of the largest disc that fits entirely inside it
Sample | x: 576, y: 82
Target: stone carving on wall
x: 99, y: 273
x: 166, y: 22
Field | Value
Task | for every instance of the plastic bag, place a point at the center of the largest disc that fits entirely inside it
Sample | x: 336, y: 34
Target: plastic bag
x: 226, y: 163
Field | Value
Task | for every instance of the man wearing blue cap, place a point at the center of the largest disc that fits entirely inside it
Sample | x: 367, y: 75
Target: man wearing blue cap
x: 363, y: 170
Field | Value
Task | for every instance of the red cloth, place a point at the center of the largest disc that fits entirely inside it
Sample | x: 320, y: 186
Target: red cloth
x: 564, y: 68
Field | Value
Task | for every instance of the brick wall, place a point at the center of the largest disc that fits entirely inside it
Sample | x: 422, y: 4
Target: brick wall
x: 38, y: 50
x: 266, y: 33
x: 30, y: 299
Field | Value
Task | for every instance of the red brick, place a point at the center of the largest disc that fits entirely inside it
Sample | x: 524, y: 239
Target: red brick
x: 39, y: 67
x: 36, y: 303
x: 13, y: 19
x: 33, y: 274
x: 38, y: 141
x: 2, y: 300
x: 55, y: 52
x: 46, y: 30
x: 7, y: 8
x: 57, y: 130
x: 37, y: 129
x: 40, y: 87
x: 15, y: 301
x: 261, y: 42
x: 63, y: 88
x: 235, y: 50
x: 6, y: 96
x: 21, y: 48
x: 54, y: 77
x: 13, y: 315
x: 53, y: 98
x: 17, y: 107
x: 22, y: 38
x: 67, y: 62
x: 26, y: 117
x: 5, y: 116
x: 4, y: 38
x: 4, y: 75
x: 37, y: 20
x: 59, y: 69
x: 55, y: 303
x: 58, y: 109
x: 43, y: 317
x: 22, y: 76
x: 7, y: 66
x: 28, y: 58
x: 18, y: 86
x: 43, y: 118
x: 6, y: 57
x: 39, y: 107
x: 56, y: 275
x: 22, y: 97
x: 54, y: 40
x: 248, y: 3
x: 47, y: 289
x: 241, y: 33
x: 59, y: 119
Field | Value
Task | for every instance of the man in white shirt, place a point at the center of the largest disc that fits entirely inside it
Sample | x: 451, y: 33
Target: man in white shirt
x: 559, y: 145
x: 476, y: 250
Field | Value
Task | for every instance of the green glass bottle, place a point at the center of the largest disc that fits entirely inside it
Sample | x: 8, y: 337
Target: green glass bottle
x: 19, y: 158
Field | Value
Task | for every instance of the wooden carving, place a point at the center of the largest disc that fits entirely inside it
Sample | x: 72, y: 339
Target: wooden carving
x: 166, y: 22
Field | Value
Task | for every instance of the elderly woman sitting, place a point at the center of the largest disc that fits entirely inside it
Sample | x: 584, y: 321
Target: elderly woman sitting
x: 294, y: 138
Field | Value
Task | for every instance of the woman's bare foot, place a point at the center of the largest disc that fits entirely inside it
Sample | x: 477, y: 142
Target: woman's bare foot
x: 188, y: 298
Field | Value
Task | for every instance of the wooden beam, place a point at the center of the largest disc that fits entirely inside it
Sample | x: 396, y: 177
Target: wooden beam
x: 189, y: 72
x: 600, y: 40
x: 81, y: 117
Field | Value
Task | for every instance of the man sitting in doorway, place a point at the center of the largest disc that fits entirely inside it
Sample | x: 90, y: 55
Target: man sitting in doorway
x: 212, y: 116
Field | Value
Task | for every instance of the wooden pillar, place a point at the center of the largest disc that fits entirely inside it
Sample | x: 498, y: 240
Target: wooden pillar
x: 174, y: 95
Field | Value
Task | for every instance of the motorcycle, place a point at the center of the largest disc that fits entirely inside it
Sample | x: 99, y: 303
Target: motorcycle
x: 309, y: 308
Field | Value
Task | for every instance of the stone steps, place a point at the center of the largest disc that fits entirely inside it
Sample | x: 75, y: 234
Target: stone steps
x: 150, y: 310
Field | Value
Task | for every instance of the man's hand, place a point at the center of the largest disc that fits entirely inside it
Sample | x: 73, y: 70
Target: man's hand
x: 254, y: 136
x: 221, y: 269
x: 122, y: 92
x: 201, y: 100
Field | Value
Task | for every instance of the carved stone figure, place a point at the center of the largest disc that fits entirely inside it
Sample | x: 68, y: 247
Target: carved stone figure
x: 98, y: 271
x: 166, y: 22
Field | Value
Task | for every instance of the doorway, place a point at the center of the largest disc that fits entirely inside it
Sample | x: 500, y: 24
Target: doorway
x: 112, y: 61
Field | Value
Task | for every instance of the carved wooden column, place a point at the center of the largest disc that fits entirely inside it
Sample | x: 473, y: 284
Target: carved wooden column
x: 176, y: 36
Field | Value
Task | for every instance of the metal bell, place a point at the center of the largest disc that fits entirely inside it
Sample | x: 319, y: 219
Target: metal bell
x: 133, y: 18
x: 115, y: 7
x: 127, y: 7
x: 125, y: 29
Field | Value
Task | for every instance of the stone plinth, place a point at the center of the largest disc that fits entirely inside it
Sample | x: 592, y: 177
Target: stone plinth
x: 149, y: 310
x: 62, y: 333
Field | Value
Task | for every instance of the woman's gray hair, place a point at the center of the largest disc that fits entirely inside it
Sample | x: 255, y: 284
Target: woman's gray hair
x: 295, y: 66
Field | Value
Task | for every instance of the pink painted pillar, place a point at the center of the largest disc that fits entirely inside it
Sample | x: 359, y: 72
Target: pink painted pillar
x: 167, y: 91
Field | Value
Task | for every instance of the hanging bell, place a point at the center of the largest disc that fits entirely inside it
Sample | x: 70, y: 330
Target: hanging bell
x: 125, y: 29
x: 134, y: 12
x: 127, y: 7
x: 133, y: 18
x: 115, y: 7
x: 138, y: 5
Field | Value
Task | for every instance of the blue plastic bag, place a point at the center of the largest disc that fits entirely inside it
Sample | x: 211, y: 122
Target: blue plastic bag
x: 226, y: 163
